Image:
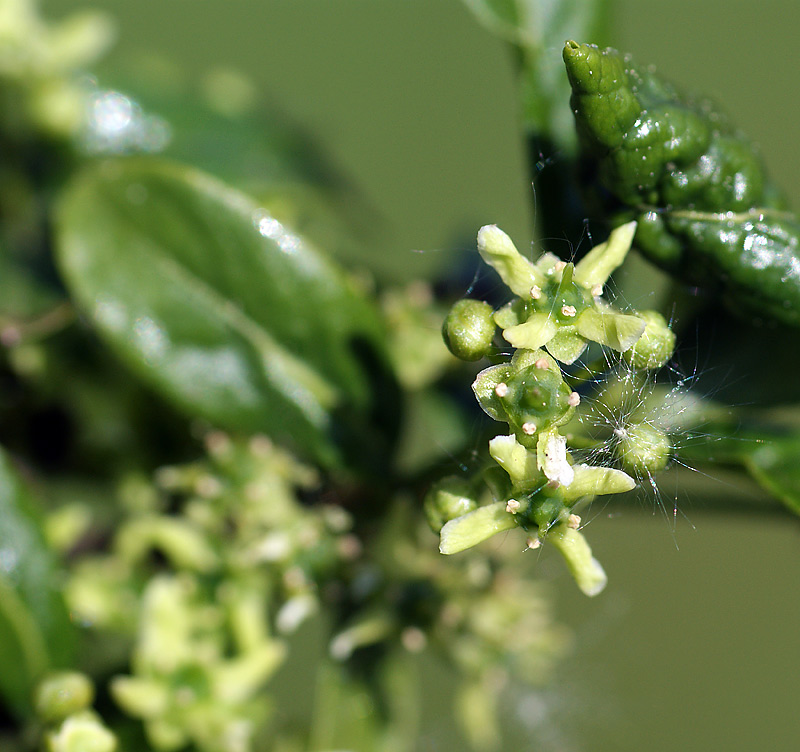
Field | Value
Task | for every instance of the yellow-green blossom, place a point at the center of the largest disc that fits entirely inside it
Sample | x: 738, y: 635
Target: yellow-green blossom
x: 559, y: 305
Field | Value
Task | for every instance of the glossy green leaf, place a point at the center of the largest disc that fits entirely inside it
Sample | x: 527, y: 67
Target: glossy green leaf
x: 223, y: 309
x: 35, y: 630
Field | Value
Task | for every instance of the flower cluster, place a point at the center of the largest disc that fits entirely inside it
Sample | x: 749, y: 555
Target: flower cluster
x: 559, y: 309
x: 208, y: 574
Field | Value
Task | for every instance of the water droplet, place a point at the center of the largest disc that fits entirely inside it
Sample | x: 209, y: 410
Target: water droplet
x: 116, y: 124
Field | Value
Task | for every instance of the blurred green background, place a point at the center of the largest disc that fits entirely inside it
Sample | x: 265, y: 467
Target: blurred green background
x: 694, y: 645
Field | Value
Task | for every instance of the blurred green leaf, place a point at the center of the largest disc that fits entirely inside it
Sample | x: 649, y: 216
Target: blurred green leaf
x: 769, y: 454
x: 776, y: 466
x: 222, y: 123
x: 223, y: 309
x: 35, y: 630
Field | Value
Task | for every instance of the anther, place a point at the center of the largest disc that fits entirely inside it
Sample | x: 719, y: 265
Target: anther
x: 532, y: 543
x: 574, y: 399
x: 513, y: 506
x: 541, y: 364
x: 560, y: 266
x: 501, y: 390
x: 597, y: 291
x: 529, y: 428
x: 574, y: 521
x: 568, y: 310
x: 536, y: 292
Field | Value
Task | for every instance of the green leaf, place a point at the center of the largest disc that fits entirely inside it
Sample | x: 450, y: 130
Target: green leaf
x: 774, y: 465
x: 769, y: 454
x: 35, y: 630
x: 223, y: 309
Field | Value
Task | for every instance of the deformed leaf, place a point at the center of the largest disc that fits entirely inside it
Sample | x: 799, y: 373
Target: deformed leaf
x: 223, y: 309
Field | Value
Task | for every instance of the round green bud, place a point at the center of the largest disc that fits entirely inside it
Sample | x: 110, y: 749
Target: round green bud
x: 447, y: 499
x: 642, y: 449
x: 469, y: 328
x: 656, y: 345
x: 63, y: 694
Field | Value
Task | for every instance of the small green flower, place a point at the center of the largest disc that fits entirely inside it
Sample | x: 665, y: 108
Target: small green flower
x: 529, y: 393
x: 545, y: 485
x: 560, y: 305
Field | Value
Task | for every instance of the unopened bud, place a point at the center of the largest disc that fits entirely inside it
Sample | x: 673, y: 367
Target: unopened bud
x: 643, y: 449
x: 82, y: 733
x: 656, y: 345
x: 469, y: 329
x: 447, y: 499
x: 62, y: 694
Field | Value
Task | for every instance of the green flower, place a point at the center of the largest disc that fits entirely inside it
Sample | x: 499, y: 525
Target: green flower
x: 559, y: 304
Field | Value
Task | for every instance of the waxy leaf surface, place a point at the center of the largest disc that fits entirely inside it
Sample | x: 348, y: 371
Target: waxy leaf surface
x: 35, y: 631
x: 223, y: 309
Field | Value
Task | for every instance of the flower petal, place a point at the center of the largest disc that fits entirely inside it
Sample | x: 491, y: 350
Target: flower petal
x: 567, y: 346
x: 616, y: 330
x: 520, y: 463
x: 536, y: 332
x: 596, y: 266
x: 597, y: 481
x: 498, y: 250
x: 474, y: 527
x: 485, y: 386
x: 586, y: 570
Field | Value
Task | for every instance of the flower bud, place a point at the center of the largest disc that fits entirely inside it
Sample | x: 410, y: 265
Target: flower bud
x: 643, y: 449
x: 469, y: 329
x: 61, y: 694
x: 84, y: 732
x: 656, y: 345
x: 447, y: 499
